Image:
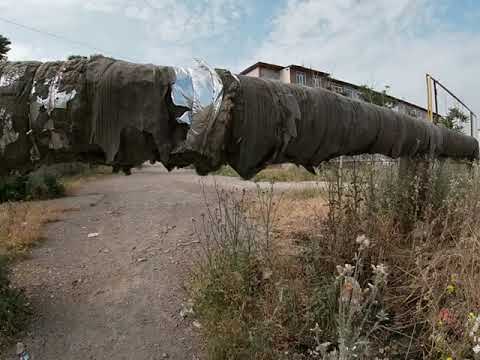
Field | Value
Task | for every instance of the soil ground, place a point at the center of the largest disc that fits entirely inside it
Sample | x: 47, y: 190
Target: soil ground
x: 118, y: 294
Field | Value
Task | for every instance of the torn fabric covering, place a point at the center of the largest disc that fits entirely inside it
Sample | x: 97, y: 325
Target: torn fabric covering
x: 16, y: 79
x: 130, y: 98
x: 96, y: 109
x: 58, y: 115
x: 114, y: 112
x: 9, y: 135
x: 276, y: 123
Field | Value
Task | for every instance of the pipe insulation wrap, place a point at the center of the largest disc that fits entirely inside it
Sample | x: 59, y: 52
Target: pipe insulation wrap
x: 114, y: 112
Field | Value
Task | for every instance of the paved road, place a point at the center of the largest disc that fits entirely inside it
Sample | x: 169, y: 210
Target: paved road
x: 118, y: 295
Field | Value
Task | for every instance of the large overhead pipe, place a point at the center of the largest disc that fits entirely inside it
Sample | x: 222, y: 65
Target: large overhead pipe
x: 102, y: 110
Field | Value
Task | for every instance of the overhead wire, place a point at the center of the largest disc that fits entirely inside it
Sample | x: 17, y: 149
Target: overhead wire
x: 53, y: 35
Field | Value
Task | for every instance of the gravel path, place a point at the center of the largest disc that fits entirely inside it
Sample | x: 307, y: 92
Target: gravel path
x: 108, y: 282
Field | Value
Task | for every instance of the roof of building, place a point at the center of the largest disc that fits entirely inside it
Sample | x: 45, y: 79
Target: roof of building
x: 262, y: 64
x: 303, y: 68
x: 357, y: 87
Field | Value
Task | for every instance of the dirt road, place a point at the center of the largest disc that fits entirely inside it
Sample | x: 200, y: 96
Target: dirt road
x: 118, y: 294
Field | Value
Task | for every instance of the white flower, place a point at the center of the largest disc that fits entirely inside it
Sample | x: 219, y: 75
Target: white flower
x: 475, y: 327
x: 363, y: 241
x: 316, y: 329
x: 380, y: 269
x: 382, y: 315
x: 476, y: 349
x: 346, y: 270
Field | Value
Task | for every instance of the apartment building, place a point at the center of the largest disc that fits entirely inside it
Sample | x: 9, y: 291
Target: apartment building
x: 295, y: 74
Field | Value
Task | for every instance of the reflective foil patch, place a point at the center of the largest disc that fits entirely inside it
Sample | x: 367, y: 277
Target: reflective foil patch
x: 196, y: 88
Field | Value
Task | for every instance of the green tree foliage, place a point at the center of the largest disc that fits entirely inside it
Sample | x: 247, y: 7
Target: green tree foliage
x: 369, y: 95
x: 454, y: 120
x: 76, y: 57
x: 4, y: 47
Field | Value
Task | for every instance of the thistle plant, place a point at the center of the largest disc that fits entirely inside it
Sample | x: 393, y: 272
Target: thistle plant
x: 360, y: 314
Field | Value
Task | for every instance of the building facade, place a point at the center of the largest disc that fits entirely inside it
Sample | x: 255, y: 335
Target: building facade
x: 295, y: 74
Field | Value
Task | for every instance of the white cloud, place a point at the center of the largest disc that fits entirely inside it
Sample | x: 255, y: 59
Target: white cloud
x: 137, y: 12
x: 106, y: 6
x: 184, y: 22
x: 376, y: 42
x: 158, y: 31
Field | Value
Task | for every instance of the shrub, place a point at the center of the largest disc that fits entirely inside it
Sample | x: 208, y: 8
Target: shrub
x: 264, y: 291
x: 226, y: 278
x: 14, y: 311
x: 422, y: 219
x: 357, y: 310
x: 12, y: 188
x: 41, y: 187
x: 32, y: 187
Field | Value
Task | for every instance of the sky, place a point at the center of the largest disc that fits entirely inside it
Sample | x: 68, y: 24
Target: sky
x: 373, y: 42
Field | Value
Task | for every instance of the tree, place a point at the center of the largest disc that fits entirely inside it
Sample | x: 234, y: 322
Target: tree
x: 76, y: 57
x: 372, y: 96
x: 454, y: 120
x: 4, y: 47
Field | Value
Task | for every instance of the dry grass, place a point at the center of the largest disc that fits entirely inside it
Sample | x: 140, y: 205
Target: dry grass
x: 275, y: 173
x: 21, y: 225
x: 285, y: 173
x: 422, y: 225
x: 297, y: 218
x: 74, y: 182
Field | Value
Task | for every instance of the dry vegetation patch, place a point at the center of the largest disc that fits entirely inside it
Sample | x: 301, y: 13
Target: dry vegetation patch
x: 297, y: 217
x: 275, y: 173
x: 285, y: 173
x: 383, y: 264
x: 20, y: 228
x: 73, y: 182
x: 21, y: 225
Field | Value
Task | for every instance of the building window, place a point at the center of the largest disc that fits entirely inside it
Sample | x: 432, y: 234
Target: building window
x: 317, y: 82
x: 412, y: 112
x: 301, y: 78
x: 349, y: 93
x: 337, y: 89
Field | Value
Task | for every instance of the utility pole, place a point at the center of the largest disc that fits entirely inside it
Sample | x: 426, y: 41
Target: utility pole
x: 429, y: 97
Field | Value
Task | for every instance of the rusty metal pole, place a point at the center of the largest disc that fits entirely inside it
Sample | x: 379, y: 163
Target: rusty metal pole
x: 472, y: 125
x: 435, y: 116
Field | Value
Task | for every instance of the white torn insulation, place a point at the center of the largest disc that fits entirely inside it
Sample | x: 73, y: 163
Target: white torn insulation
x: 11, y: 76
x: 55, y: 99
x: 9, y: 136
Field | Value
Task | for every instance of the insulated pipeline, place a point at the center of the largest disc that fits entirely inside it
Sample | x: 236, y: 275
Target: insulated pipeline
x: 114, y: 112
